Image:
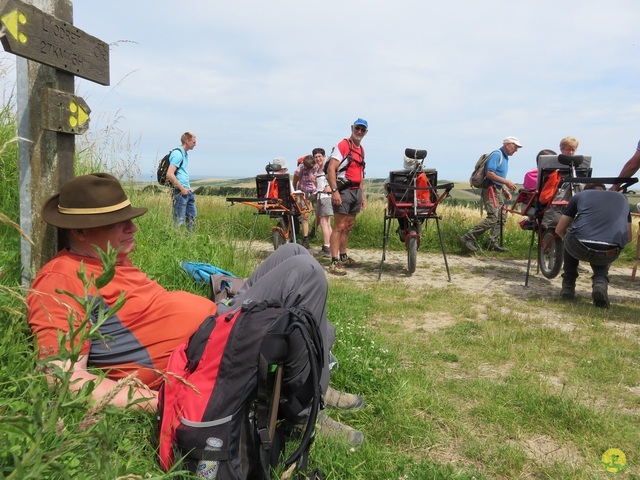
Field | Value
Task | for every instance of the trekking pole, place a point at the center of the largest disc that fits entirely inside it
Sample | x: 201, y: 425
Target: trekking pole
x: 275, y: 401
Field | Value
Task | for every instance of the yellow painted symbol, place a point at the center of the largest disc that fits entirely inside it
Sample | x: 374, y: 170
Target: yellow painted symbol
x: 12, y: 20
x: 614, y: 460
x: 78, y: 115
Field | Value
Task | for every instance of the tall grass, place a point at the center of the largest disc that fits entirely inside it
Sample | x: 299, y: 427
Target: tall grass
x: 493, y: 393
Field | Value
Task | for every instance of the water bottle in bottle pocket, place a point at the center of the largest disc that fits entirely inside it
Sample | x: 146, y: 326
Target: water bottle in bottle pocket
x: 209, y: 468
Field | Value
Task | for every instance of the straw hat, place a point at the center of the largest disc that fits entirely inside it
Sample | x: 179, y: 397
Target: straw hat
x: 90, y: 201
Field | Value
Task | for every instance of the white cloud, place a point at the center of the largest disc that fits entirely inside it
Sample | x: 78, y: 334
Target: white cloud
x: 256, y: 79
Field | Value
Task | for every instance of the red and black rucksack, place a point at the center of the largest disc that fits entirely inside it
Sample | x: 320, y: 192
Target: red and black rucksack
x: 234, y: 390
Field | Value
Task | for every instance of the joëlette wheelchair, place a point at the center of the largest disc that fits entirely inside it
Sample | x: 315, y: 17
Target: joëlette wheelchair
x: 276, y: 199
x: 412, y: 198
x: 559, y: 178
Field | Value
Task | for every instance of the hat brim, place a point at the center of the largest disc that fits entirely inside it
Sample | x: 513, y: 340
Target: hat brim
x: 52, y: 216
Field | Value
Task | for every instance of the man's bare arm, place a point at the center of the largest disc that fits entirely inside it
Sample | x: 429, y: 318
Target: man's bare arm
x: 563, y: 224
x: 629, y: 169
x: 145, y: 398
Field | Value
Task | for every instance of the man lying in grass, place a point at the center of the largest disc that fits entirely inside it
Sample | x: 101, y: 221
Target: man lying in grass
x: 139, y: 334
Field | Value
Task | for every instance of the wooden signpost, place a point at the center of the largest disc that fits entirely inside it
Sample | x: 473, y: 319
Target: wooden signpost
x: 52, y: 52
x: 38, y: 36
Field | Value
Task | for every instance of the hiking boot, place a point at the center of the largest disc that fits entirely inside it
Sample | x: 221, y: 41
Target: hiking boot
x: 330, y: 428
x: 349, y: 263
x: 325, y: 251
x: 599, y: 294
x: 494, y: 247
x: 568, y: 291
x: 345, y: 401
x: 336, y: 268
x: 468, y: 242
x: 305, y: 242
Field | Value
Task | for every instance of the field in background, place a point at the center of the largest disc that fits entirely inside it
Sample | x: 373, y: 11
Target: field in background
x: 461, y: 192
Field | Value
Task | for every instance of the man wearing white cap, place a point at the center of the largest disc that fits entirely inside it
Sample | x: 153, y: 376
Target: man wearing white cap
x: 495, y: 189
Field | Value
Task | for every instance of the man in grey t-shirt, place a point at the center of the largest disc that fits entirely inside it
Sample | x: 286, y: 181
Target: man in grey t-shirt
x: 595, y: 226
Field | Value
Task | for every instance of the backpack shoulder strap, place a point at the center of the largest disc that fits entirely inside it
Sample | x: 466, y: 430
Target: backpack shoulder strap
x: 181, y: 161
x: 272, y: 355
x: 349, y: 157
x: 486, y: 160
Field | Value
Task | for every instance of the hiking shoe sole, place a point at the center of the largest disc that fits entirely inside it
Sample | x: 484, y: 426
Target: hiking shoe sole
x: 600, y: 298
x: 337, y: 269
x: 468, y: 243
x: 331, y: 428
x: 345, y: 401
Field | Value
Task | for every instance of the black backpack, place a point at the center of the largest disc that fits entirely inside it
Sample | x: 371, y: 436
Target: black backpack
x: 163, y: 166
x: 234, y: 391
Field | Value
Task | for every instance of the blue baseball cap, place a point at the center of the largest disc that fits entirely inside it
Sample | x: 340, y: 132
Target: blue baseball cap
x: 361, y: 121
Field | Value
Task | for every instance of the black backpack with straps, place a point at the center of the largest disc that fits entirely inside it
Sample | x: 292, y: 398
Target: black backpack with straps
x: 163, y: 167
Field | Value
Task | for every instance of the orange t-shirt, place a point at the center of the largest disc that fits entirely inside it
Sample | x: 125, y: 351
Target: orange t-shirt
x: 139, y: 337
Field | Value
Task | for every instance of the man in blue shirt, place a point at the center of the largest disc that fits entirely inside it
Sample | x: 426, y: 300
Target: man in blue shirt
x: 495, y: 190
x: 184, y: 201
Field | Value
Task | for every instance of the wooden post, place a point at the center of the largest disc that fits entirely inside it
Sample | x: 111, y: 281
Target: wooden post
x: 45, y: 157
x: 52, y: 52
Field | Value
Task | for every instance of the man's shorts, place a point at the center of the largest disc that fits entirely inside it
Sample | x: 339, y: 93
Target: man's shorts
x: 324, y: 207
x: 351, y: 202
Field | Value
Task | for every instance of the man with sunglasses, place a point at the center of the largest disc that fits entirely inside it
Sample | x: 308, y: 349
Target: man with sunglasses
x: 345, y: 175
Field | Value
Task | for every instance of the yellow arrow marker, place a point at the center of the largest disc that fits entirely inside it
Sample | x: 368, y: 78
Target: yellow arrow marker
x: 11, y: 21
x: 82, y: 116
x: 78, y: 115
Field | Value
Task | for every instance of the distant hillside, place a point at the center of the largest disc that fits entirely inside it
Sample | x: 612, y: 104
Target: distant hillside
x: 374, y: 186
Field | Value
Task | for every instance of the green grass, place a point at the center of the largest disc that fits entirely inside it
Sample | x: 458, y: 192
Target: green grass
x: 490, y: 393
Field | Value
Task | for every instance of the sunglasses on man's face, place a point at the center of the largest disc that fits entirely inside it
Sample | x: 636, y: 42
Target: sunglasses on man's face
x: 360, y: 128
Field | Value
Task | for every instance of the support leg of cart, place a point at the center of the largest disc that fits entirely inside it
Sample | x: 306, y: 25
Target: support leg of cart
x: 533, y: 235
x: 253, y: 230
x: 444, y: 253
x: 385, y: 239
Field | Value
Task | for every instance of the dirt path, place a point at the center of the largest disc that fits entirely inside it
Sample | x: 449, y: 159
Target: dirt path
x: 475, y: 273
x: 478, y: 274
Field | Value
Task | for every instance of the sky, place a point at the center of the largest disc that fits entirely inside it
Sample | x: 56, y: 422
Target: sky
x: 259, y: 79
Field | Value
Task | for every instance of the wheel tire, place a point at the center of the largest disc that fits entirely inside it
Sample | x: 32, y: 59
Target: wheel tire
x: 412, y: 254
x: 277, y: 234
x: 277, y: 237
x: 550, y: 251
